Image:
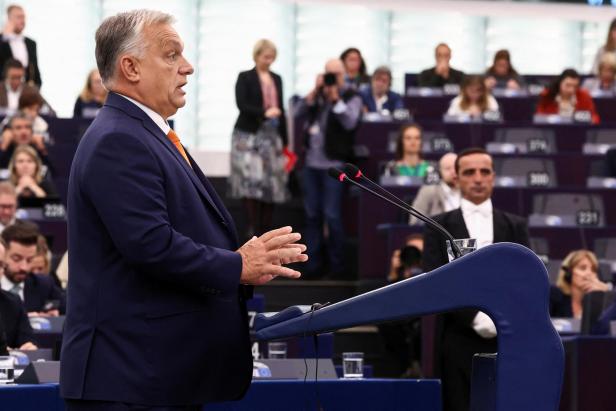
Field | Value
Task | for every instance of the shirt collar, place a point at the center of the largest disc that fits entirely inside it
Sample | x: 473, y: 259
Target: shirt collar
x: 10, y: 90
x: 468, y: 208
x: 156, y: 118
x: 8, y: 285
x: 13, y: 36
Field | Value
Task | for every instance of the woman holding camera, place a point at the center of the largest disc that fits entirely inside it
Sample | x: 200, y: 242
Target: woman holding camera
x: 259, y: 140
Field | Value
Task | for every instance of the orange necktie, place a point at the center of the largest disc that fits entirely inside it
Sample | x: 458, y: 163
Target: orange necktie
x: 176, y: 142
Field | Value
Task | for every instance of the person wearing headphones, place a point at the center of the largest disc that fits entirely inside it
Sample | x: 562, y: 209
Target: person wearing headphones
x: 379, y: 98
x: 577, y: 277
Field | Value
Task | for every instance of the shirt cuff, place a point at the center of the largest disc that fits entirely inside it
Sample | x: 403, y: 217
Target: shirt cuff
x: 484, y: 326
x: 340, y: 107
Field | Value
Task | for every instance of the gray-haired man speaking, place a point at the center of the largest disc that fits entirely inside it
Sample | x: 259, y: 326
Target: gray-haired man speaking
x: 156, y: 316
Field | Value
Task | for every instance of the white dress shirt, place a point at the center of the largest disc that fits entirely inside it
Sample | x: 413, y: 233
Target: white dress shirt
x: 452, y: 197
x: 12, y: 98
x: 17, y: 42
x: 8, y: 285
x: 479, y: 222
x: 156, y: 118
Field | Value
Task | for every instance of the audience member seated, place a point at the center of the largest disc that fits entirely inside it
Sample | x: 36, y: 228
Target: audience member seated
x: 502, y: 75
x: 608, y: 48
x: 30, y: 103
x: 565, y: 97
x: 14, y: 75
x: 379, y: 98
x: 433, y: 199
x: 15, y: 329
x: 8, y: 204
x: 577, y: 277
x: 355, y: 67
x: 474, y: 99
x: 408, y: 161
x: 442, y: 73
x: 606, y: 78
x: 41, y: 262
x: 40, y: 295
x: 15, y: 45
x: 19, y: 132
x: 333, y: 110
x: 26, y: 173
x: 92, y: 97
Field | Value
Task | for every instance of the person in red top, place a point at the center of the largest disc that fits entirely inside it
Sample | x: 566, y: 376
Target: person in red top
x: 564, y: 97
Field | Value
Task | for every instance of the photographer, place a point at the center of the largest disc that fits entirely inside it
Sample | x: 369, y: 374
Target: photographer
x: 332, y: 111
x: 402, y: 339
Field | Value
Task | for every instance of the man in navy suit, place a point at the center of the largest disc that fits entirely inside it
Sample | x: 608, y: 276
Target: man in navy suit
x: 156, y: 315
x: 39, y: 293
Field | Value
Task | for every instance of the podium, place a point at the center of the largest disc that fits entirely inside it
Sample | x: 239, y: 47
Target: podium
x: 506, y: 281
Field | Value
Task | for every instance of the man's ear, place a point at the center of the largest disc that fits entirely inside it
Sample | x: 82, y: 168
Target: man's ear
x: 130, y: 68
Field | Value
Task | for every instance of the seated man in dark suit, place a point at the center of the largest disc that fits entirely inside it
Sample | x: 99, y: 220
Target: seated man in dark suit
x: 40, y: 295
x: 442, y: 73
x: 15, y: 329
x: 461, y: 334
x: 379, y: 98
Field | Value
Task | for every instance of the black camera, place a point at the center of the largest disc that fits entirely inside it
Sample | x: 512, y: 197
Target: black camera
x: 330, y: 79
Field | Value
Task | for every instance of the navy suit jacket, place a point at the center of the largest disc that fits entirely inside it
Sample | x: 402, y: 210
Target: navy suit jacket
x: 38, y: 290
x: 394, y: 101
x: 155, y: 312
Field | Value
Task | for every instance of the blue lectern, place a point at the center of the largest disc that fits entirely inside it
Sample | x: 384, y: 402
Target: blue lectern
x: 506, y: 281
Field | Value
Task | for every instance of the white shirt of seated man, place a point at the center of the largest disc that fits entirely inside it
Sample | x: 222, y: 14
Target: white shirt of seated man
x: 475, y: 177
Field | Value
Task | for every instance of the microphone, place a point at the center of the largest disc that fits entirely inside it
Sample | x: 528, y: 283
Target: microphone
x: 352, y: 170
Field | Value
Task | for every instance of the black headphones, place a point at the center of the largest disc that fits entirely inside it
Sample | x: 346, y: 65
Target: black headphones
x: 568, y: 274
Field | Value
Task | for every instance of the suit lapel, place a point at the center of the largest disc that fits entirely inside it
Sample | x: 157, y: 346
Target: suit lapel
x: 158, y: 133
x: 457, y: 226
x: 501, y: 232
x: 227, y: 219
x: 257, y: 83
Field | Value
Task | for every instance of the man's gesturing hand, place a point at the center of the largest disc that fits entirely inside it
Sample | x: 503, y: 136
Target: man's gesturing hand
x: 263, y: 257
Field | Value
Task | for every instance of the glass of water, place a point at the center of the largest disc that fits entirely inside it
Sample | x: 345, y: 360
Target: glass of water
x: 276, y: 350
x: 7, y: 369
x: 465, y: 245
x: 353, y: 365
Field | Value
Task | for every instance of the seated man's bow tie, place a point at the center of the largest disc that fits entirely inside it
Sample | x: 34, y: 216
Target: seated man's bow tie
x: 483, y: 209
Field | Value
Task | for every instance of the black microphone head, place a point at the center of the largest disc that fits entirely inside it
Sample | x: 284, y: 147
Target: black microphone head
x: 336, y: 173
x: 352, y: 170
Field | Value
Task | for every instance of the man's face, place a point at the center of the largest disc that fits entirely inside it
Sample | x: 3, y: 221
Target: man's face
x: 442, y: 54
x: 17, y: 17
x: 18, y: 261
x: 8, y: 206
x: 447, y: 168
x: 163, y: 70
x: 22, y: 130
x: 380, y: 84
x: 15, y: 78
x: 476, y: 177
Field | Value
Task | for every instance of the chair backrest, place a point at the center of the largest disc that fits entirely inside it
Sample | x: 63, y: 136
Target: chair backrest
x: 535, y: 139
x: 588, y: 209
x: 598, y: 168
x: 601, y: 136
x: 605, y: 248
x: 537, y: 172
x: 593, y: 305
x: 540, y: 245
